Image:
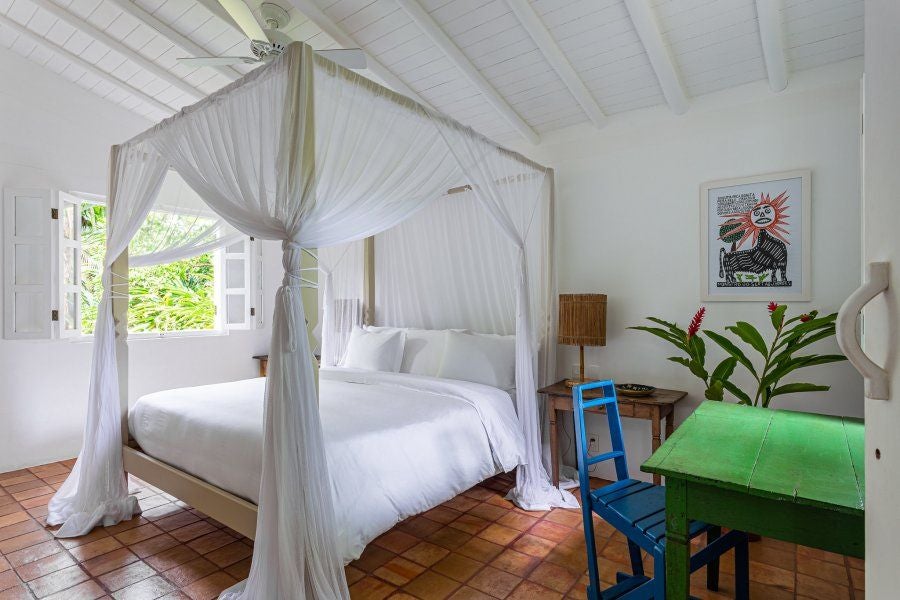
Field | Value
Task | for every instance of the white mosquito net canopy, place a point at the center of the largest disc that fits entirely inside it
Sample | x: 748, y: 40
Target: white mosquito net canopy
x: 314, y: 155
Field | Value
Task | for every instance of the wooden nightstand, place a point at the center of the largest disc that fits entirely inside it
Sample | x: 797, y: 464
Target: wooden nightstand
x: 264, y: 363
x: 654, y: 408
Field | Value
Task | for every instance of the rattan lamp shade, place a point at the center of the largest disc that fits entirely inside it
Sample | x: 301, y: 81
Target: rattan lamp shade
x: 582, y: 319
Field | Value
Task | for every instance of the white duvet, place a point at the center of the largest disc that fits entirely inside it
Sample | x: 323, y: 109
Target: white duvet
x: 397, y: 444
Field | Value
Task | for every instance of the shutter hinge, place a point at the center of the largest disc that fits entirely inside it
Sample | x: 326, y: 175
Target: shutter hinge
x: 54, y: 214
x: 252, y: 239
x: 54, y: 314
x: 252, y: 311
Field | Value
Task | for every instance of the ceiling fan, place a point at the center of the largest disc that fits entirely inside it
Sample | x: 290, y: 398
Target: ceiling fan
x: 269, y: 42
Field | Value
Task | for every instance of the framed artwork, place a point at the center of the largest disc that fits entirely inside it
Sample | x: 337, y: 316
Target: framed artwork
x: 755, y: 238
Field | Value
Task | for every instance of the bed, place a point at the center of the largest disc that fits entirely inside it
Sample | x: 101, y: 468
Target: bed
x: 397, y: 444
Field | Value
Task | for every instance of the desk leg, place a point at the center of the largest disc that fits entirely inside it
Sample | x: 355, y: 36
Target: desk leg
x: 670, y: 422
x: 678, y: 544
x: 655, y: 418
x: 554, y: 444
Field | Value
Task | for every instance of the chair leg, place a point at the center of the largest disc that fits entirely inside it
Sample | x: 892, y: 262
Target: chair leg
x: 593, y: 591
x: 742, y: 569
x: 637, y: 562
x: 659, y: 576
x: 712, y: 569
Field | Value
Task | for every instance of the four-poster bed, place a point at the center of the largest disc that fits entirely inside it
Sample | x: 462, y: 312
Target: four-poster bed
x: 309, y: 153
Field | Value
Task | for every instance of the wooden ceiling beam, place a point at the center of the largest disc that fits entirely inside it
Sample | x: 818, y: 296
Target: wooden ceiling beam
x: 440, y: 39
x: 87, y: 66
x: 117, y: 46
x: 557, y: 59
x: 644, y: 21
x: 183, y: 42
x: 770, y: 36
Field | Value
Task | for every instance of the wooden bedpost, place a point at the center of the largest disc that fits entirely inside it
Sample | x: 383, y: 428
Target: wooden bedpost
x: 119, y: 293
x: 369, y: 281
x: 120, y: 317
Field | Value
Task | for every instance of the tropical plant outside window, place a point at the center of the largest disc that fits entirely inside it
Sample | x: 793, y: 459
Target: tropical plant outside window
x: 177, y: 296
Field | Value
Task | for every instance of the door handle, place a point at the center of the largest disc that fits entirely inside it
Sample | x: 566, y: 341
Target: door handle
x: 876, y: 378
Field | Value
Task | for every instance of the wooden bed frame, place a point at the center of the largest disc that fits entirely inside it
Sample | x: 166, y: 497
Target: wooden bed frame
x: 233, y: 511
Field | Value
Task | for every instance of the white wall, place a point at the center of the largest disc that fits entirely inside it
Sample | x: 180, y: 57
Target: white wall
x: 628, y: 214
x: 55, y: 134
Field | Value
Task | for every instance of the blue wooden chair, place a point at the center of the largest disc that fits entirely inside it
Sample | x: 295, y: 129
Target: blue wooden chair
x: 638, y: 510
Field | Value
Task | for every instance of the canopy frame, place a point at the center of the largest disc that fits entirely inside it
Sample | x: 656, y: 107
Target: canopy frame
x: 290, y: 205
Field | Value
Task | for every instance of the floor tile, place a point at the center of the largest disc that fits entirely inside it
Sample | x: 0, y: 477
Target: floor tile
x: 476, y: 546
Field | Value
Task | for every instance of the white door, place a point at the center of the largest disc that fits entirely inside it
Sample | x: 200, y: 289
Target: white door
x: 881, y: 243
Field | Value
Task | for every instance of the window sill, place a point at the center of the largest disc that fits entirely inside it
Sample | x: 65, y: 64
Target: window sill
x: 159, y: 336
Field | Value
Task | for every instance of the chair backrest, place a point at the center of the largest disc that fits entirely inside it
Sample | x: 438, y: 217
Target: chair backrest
x: 617, y: 453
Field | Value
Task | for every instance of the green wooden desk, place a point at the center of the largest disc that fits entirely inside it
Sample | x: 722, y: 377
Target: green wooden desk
x: 788, y: 475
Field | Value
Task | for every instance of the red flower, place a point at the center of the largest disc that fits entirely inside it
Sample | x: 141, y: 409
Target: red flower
x: 696, y: 322
x: 772, y: 306
x: 804, y: 318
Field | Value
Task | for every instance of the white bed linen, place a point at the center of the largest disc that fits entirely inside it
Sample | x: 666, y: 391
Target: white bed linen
x: 397, y: 444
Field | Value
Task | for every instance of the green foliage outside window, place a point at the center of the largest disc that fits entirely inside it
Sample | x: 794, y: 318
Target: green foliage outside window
x: 178, y: 296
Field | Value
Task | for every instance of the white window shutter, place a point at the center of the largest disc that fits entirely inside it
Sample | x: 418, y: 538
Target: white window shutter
x: 237, y: 285
x: 69, y: 244
x: 27, y: 264
x: 257, y: 293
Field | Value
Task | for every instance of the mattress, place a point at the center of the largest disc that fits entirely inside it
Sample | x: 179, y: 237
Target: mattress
x: 397, y: 444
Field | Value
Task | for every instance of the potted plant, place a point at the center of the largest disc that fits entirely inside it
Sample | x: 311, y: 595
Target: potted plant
x: 777, y: 358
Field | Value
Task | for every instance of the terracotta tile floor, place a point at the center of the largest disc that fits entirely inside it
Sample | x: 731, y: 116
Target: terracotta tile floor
x: 476, y: 546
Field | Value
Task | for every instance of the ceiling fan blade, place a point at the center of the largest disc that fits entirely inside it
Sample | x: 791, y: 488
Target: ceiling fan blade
x: 216, y: 61
x: 244, y: 18
x: 350, y: 58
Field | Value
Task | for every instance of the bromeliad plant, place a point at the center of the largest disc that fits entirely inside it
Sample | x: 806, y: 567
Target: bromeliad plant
x: 779, y: 357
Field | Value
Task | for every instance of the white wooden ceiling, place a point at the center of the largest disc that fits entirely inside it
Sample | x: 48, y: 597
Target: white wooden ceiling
x: 505, y: 67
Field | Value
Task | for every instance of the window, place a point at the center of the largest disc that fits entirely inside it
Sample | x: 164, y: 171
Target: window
x: 56, y: 267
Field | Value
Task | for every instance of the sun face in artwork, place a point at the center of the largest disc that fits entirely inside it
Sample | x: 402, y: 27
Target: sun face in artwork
x: 762, y: 215
x: 768, y: 215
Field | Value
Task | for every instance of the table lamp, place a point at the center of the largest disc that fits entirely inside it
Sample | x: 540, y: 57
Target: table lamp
x: 582, y: 322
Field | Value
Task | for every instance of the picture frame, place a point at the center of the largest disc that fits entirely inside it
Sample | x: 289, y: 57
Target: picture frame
x: 755, y: 238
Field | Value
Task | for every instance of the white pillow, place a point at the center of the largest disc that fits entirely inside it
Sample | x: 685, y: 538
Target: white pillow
x: 480, y: 358
x: 375, y: 350
x: 423, y: 351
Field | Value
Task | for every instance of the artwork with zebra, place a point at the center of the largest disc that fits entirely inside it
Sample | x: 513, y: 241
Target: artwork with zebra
x: 756, y: 238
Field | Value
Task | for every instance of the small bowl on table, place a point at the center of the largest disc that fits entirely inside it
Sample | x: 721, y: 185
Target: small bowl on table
x: 635, y: 390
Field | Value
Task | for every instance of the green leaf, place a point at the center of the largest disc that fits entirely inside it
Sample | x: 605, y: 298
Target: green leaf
x: 729, y: 347
x: 724, y: 370
x: 681, y: 361
x: 737, y: 392
x: 715, y: 391
x: 697, y: 349
x: 778, y: 317
x: 662, y: 333
x: 749, y: 334
x: 698, y: 370
x: 808, y: 327
x: 798, y: 362
x: 670, y: 326
x: 695, y: 368
x: 795, y: 388
x: 802, y: 341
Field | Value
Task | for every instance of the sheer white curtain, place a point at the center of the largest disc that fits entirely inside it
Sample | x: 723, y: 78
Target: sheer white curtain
x: 96, y: 493
x: 180, y: 225
x: 502, y: 185
x: 446, y: 267
x: 341, y: 297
